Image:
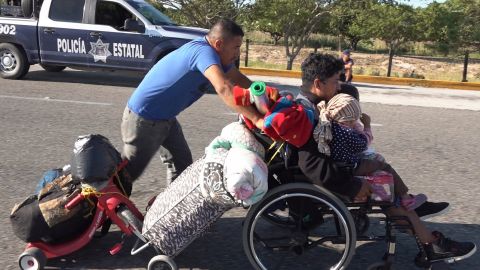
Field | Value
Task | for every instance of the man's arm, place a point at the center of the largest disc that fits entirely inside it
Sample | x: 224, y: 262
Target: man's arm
x: 348, y: 66
x: 223, y: 86
x: 238, y: 78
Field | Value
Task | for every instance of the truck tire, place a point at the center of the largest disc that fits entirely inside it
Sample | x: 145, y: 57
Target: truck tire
x: 27, y: 8
x: 13, y: 62
x: 52, y: 68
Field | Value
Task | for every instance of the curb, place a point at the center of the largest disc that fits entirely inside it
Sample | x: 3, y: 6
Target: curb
x: 370, y: 79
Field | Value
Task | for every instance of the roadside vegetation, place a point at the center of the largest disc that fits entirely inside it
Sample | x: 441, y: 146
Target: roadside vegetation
x: 385, y: 32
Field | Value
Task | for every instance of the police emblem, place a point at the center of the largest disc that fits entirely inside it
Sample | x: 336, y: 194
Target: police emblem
x: 99, y: 51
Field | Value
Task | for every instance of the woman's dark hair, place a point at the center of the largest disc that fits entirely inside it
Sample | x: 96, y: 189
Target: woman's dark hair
x: 321, y: 66
x: 346, y: 88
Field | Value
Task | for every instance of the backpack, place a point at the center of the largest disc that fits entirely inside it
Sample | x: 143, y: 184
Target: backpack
x: 43, y: 217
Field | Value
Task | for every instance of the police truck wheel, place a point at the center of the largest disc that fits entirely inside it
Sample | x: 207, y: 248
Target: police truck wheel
x: 32, y: 259
x: 13, y: 62
x: 52, y: 68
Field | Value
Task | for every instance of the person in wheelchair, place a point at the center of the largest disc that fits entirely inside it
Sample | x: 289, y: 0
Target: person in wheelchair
x: 344, y: 134
x: 320, y: 82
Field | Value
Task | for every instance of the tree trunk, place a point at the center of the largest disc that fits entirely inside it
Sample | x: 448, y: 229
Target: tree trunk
x: 247, y: 42
x: 290, y: 62
x: 465, y: 67
x: 390, y: 60
x: 339, y: 43
x: 354, y: 43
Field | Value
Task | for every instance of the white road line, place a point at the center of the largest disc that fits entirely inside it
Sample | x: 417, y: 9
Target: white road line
x: 57, y: 100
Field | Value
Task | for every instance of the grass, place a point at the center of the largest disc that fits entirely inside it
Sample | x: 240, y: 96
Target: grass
x: 326, y: 43
x: 261, y: 64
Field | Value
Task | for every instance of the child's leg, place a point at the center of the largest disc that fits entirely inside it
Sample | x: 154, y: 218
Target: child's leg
x: 422, y: 232
x: 435, y: 244
x: 368, y: 166
x: 401, y: 188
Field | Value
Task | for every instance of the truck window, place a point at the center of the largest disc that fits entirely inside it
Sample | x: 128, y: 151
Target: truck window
x: 67, y: 10
x: 152, y: 14
x: 111, y: 13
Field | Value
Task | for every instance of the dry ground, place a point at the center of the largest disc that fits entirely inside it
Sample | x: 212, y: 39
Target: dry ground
x: 371, y: 64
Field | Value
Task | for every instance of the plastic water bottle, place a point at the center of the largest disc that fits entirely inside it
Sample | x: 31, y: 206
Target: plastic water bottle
x: 258, y: 96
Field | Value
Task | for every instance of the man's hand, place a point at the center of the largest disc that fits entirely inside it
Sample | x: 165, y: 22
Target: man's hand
x: 365, y: 191
x: 272, y: 93
x: 259, y: 123
x: 365, y: 118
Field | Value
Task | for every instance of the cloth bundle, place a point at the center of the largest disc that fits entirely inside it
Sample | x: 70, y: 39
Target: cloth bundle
x: 285, y: 120
x: 241, y: 156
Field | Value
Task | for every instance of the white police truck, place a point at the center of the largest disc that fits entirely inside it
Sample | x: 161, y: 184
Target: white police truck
x: 84, y: 34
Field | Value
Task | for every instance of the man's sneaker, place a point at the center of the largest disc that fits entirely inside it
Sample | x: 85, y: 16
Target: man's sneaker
x: 431, y: 209
x: 445, y: 249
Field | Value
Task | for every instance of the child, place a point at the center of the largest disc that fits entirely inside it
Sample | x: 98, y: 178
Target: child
x: 344, y: 133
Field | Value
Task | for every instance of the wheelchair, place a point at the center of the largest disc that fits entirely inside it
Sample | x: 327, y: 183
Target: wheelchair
x: 299, y: 225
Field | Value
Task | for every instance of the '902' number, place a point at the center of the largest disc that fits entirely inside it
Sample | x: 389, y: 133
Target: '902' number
x: 7, y: 29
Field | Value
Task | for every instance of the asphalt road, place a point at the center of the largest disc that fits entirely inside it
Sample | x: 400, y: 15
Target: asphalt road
x: 433, y: 146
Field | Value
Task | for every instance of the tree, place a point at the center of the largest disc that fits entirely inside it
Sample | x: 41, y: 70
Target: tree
x: 202, y: 13
x: 393, y: 23
x: 468, y: 14
x: 438, y: 25
x: 348, y: 18
x: 453, y: 26
x: 294, y: 20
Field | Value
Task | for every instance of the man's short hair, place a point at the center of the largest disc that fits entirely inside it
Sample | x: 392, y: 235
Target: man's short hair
x: 321, y: 66
x: 225, y: 29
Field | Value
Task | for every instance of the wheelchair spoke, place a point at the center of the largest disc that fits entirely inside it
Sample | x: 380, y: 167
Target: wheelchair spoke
x: 310, y: 232
x: 265, y: 242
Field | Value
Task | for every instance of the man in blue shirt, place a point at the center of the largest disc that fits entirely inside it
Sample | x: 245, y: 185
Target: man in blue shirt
x: 179, y: 79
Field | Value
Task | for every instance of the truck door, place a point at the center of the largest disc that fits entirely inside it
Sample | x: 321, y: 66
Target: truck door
x: 121, y: 41
x: 62, y: 37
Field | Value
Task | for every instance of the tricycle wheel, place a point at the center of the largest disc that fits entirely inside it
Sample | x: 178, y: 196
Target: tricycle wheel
x: 32, y: 259
x: 162, y: 262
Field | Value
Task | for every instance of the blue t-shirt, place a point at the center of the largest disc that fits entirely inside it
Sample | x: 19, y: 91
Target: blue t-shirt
x: 175, y: 82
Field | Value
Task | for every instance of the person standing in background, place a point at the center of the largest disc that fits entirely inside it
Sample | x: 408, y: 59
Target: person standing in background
x: 347, y: 74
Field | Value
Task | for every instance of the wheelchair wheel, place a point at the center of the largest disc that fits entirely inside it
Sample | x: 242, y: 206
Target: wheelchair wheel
x: 318, y: 234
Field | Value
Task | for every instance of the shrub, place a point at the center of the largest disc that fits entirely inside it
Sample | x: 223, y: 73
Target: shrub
x: 361, y: 71
x: 375, y: 72
x: 412, y: 75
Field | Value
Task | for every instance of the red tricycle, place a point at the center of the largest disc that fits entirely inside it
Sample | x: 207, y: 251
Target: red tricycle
x: 112, y: 204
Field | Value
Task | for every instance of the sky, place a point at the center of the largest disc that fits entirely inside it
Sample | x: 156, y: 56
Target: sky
x: 420, y: 3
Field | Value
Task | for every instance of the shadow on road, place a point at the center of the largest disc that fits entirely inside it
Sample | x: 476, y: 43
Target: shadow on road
x: 221, y: 248
x: 117, y: 78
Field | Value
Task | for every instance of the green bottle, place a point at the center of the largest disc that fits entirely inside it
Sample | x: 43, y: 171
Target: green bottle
x: 258, y: 96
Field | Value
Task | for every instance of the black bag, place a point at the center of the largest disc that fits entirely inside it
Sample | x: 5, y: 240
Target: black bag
x: 43, y: 217
x: 94, y: 159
